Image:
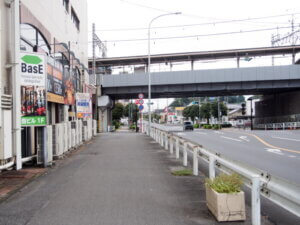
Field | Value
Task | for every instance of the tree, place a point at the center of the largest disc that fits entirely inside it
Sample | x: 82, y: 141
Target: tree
x: 205, y: 111
x: 118, y: 111
x: 214, y: 109
x: 191, y: 111
x: 131, y: 111
x: 178, y: 102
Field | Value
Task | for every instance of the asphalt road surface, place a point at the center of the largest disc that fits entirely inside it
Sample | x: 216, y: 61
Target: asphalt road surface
x: 119, y: 179
x: 277, y: 152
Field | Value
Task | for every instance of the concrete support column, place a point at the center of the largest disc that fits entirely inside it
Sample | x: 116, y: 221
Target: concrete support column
x: 105, y: 119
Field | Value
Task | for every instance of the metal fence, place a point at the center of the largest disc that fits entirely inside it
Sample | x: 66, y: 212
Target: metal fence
x: 283, y: 193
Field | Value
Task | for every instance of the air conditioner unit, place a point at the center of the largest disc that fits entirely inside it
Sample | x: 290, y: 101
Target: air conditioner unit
x: 6, y: 136
x: 59, y: 148
x: 65, y: 136
x: 49, y: 144
x: 79, y: 131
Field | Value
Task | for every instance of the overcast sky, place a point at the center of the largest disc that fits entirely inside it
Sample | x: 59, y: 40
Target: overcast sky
x: 202, y: 26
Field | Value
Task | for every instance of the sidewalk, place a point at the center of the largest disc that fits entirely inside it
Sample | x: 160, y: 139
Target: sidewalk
x: 121, y: 178
x: 11, y: 181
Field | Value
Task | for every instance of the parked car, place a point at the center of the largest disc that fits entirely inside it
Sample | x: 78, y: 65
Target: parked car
x: 187, y: 125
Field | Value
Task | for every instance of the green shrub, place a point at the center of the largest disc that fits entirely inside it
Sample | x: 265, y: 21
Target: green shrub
x: 196, y: 125
x: 132, y: 127
x: 184, y: 172
x: 116, y: 123
x: 207, y: 126
x: 216, y: 127
x: 225, y: 183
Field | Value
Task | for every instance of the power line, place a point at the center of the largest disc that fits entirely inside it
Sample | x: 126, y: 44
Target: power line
x: 200, y: 35
x: 200, y: 24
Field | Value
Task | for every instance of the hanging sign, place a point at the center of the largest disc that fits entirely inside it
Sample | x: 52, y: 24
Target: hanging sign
x: 33, y: 89
x: 83, y: 105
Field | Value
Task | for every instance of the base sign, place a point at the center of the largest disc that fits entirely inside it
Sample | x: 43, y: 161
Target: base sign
x: 33, y: 89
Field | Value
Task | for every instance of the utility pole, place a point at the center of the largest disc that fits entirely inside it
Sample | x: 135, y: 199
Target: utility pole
x: 16, y: 83
x: 290, y: 38
x: 94, y: 54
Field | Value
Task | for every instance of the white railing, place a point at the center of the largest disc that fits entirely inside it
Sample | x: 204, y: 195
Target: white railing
x: 283, y: 193
x: 278, y: 126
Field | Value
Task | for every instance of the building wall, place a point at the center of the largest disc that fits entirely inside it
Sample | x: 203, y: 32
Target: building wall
x: 55, y: 22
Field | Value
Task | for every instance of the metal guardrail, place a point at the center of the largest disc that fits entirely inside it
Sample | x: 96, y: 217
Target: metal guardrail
x: 283, y: 193
x: 278, y: 126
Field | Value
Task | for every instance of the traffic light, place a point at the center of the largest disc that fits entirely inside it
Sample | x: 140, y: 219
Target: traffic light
x: 243, y: 109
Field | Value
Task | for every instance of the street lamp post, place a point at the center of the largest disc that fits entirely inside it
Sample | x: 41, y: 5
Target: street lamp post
x: 251, y: 112
x: 149, y: 63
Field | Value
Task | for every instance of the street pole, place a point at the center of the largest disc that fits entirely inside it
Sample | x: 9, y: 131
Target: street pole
x: 251, y: 116
x: 149, y: 64
x: 16, y: 84
x: 219, y: 113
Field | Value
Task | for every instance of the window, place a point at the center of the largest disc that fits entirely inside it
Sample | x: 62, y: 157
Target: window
x: 66, y: 5
x: 32, y: 40
x: 75, y: 19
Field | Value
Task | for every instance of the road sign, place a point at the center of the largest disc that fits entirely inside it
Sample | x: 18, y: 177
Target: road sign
x: 141, y: 96
x: 141, y: 107
x: 141, y: 101
x: 137, y: 101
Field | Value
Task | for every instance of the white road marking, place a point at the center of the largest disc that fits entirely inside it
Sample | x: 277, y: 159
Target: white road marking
x: 219, y: 132
x: 245, y: 138
x: 292, y: 156
x: 233, y: 139
x: 200, y: 132
x: 275, y: 151
x: 289, y: 139
x: 182, y: 134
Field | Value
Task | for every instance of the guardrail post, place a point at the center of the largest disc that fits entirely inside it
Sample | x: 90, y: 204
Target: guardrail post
x: 212, y: 170
x: 185, y: 154
x: 166, y: 141
x: 255, y: 200
x: 171, y: 145
x: 177, y: 148
x: 161, y: 138
x: 195, y: 161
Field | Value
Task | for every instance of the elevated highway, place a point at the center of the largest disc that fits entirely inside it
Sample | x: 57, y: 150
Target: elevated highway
x: 213, y: 82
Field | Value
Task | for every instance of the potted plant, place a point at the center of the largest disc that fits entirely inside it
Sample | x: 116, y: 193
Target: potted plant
x: 224, y: 197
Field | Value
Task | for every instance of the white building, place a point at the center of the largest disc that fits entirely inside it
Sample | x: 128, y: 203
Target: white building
x: 58, y: 30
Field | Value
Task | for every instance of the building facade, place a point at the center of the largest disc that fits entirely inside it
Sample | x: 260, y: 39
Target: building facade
x: 57, y: 30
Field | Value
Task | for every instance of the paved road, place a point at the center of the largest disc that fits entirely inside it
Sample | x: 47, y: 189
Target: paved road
x: 119, y: 179
x: 277, y: 152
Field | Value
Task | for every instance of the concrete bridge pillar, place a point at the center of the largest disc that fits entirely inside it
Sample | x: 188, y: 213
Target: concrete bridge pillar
x: 105, y: 106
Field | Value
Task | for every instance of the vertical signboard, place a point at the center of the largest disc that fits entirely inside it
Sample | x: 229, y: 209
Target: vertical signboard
x: 69, y: 97
x: 55, y: 81
x: 33, y: 90
x: 83, y: 105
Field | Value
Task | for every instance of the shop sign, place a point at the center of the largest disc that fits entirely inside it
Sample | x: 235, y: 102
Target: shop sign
x: 83, y: 105
x: 33, y: 89
x: 55, y: 81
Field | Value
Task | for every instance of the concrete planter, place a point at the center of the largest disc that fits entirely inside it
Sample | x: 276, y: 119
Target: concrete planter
x: 226, y: 207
